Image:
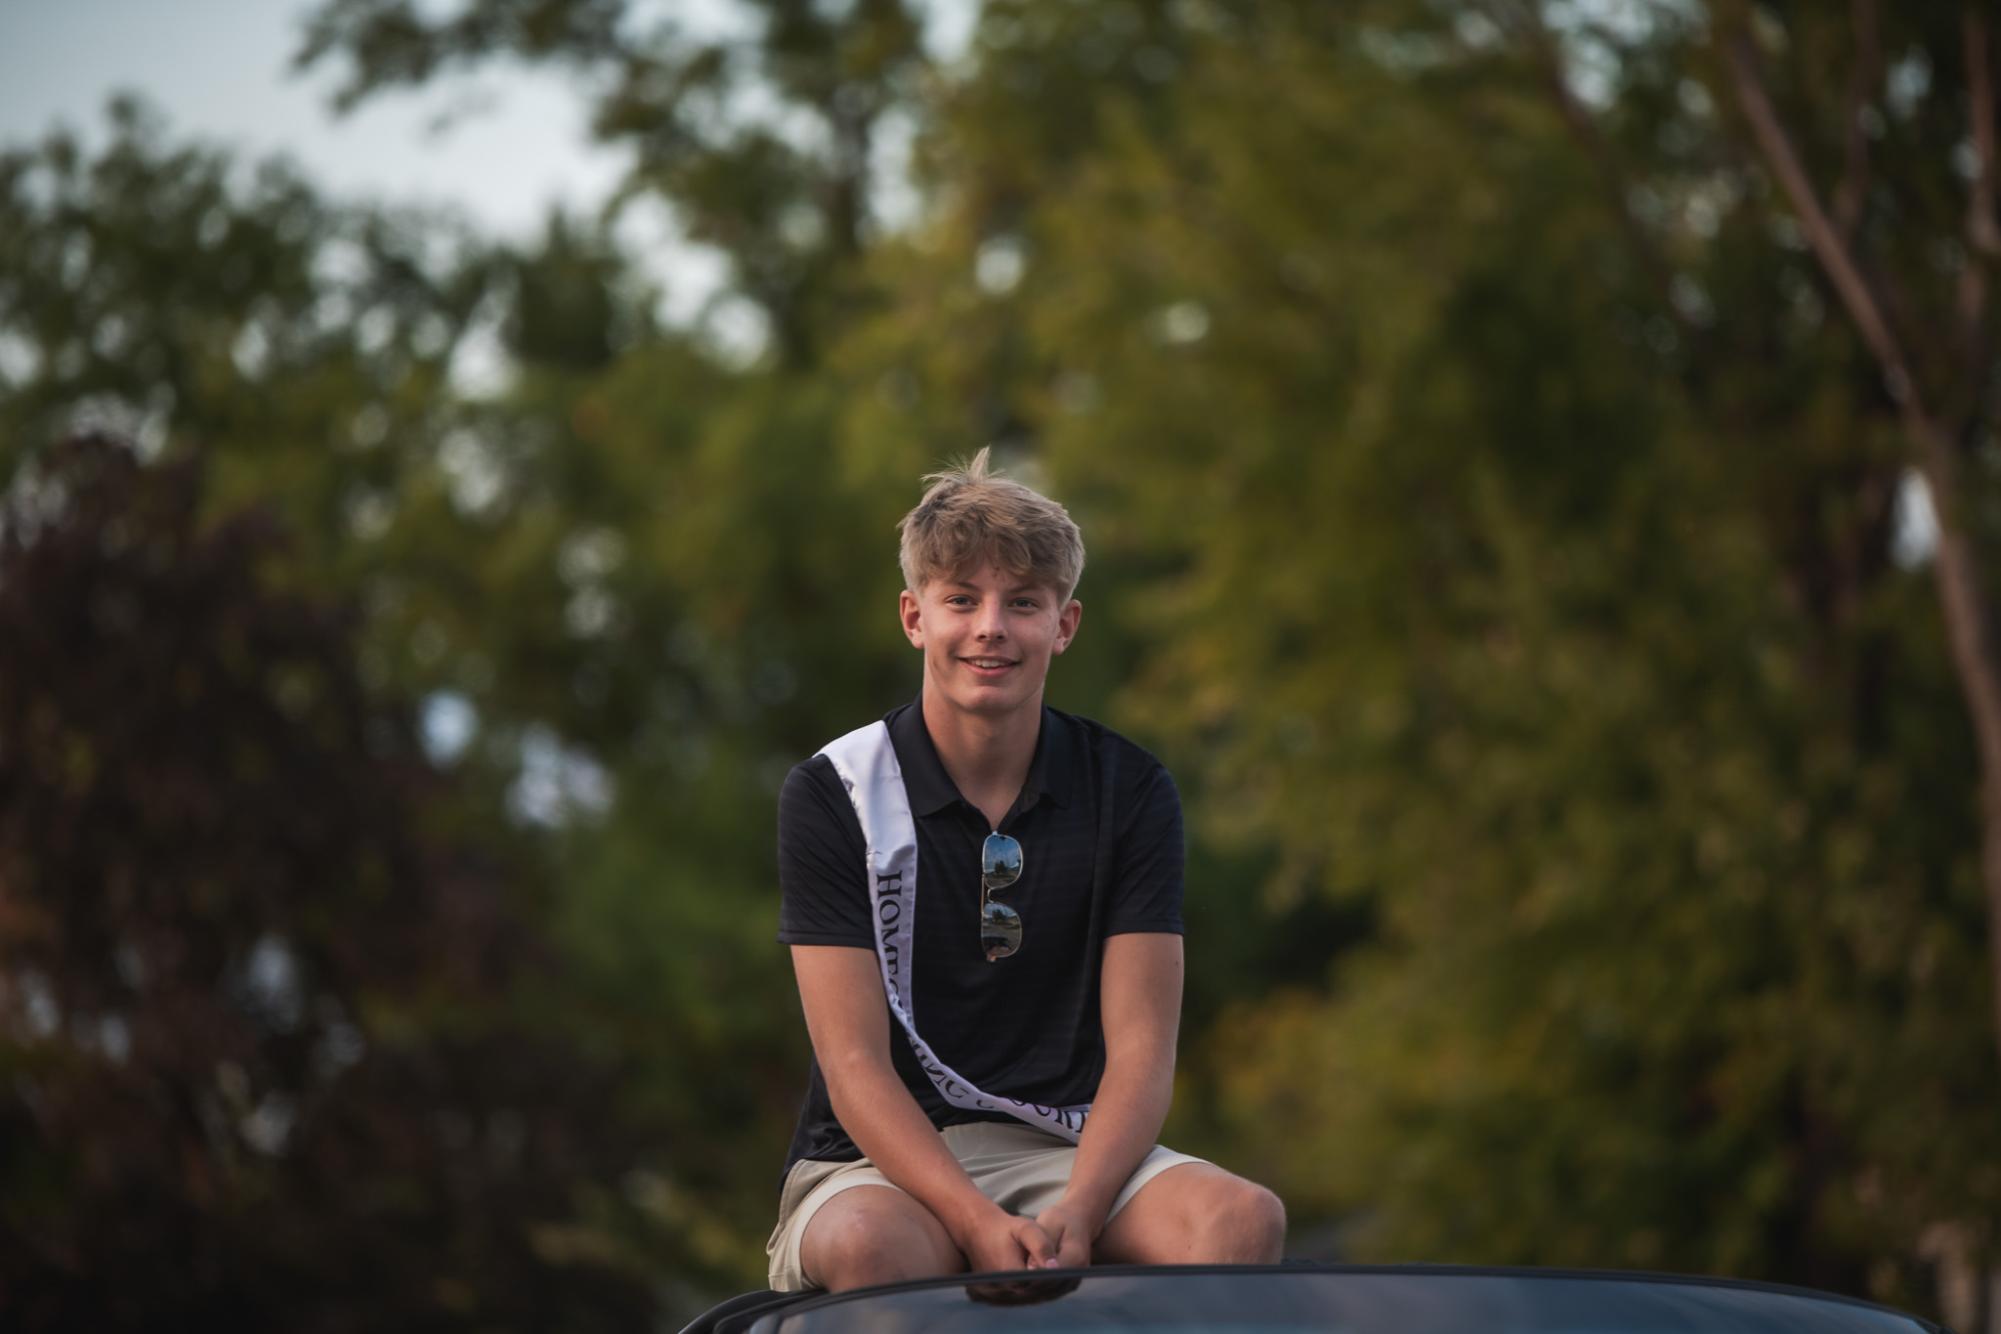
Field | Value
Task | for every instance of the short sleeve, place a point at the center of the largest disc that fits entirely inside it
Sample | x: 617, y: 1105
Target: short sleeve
x: 1150, y: 860
x: 821, y: 857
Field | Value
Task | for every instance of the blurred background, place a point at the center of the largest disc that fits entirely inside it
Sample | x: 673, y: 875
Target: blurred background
x: 1538, y: 465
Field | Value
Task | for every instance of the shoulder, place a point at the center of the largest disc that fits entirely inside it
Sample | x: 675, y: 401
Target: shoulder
x: 813, y: 802
x: 864, y: 748
x: 1137, y: 770
x: 824, y: 775
x: 814, y: 773
x: 1097, y: 741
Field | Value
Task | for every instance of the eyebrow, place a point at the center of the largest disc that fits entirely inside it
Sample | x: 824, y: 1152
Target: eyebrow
x: 1016, y: 589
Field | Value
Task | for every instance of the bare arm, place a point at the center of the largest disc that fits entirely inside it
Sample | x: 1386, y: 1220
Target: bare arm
x: 840, y: 989
x: 1140, y: 1007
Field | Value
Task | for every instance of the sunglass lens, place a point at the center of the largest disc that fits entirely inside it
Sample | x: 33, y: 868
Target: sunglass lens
x: 1000, y: 930
x: 1000, y: 861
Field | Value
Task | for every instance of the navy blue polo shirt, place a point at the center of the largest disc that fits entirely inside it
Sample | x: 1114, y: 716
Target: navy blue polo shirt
x: 1026, y: 1026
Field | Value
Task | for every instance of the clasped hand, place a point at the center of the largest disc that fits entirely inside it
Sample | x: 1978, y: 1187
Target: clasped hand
x: 1058, y: 1237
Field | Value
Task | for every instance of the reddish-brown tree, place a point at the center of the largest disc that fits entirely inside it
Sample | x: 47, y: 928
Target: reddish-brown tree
x: 256, y: 1004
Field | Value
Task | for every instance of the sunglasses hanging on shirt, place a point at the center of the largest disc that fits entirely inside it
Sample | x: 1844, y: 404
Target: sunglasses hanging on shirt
x: 1000, y: 924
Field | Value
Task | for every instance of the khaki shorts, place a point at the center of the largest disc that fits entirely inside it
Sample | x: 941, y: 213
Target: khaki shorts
x: 1020, y: 1168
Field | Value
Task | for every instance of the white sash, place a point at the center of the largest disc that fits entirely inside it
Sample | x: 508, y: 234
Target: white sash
x: 866, y: 762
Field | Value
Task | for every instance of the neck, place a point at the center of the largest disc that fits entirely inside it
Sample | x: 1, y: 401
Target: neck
x: 986, y: 757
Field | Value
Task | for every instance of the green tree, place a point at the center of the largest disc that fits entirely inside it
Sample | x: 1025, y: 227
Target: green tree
x: 1866, y: 140
x: 1555, y: 626
x: 759, y: 138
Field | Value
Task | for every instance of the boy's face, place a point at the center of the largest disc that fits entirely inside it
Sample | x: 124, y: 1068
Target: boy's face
x: 988, y: 636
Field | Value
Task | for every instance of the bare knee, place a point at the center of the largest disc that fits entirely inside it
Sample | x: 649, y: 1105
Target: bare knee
x: 859, y: 1246
x: 1198, y: 1214
x: 1241, y: 1223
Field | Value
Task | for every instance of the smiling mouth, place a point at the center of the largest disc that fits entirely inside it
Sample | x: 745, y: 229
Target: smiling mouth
x: 988, y: 664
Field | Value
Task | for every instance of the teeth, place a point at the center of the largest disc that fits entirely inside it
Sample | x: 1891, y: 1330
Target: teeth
x: 988, y: 662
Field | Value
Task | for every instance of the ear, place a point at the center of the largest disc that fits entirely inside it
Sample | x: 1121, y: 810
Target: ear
x: 1067, y: 622
x: 911, y: 612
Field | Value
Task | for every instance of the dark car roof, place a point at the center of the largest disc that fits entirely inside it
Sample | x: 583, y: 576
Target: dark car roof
x: 1363, y: 1299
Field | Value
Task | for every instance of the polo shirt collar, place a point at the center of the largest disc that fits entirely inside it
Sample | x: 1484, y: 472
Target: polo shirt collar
x: 930, y: 789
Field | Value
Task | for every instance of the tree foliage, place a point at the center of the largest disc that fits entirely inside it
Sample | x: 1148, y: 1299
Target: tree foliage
x: 1556, y: 626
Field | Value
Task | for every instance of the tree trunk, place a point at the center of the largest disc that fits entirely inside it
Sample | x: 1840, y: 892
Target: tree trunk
x: 1976, y: 661
x: 1964, y: 599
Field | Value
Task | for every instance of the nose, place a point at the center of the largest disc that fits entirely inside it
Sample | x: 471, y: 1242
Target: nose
x: 990, y: 626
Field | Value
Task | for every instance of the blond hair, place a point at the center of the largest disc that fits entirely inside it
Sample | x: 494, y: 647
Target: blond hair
x: 970, y: 516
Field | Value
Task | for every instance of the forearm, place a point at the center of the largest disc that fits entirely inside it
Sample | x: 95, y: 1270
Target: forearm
x: 891, y: 1130
x: 1126, y: 1116
x: 1141, y: 1006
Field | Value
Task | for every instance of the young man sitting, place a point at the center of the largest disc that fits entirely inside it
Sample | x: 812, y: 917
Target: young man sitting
x: 982, y: 896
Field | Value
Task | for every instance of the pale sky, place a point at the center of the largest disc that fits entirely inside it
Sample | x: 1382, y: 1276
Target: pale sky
x: 500, y: 146
x: 218, y: 70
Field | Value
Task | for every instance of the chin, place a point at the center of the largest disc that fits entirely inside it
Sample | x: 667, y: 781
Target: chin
x: 990, y: 701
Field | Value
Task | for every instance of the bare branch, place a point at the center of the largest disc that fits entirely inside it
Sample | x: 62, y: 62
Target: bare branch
x: 1982, y: 232
x: 1957, y: 566
x: 1852, y: 192
x: 1983, y: 238
x: 1827, y: 242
